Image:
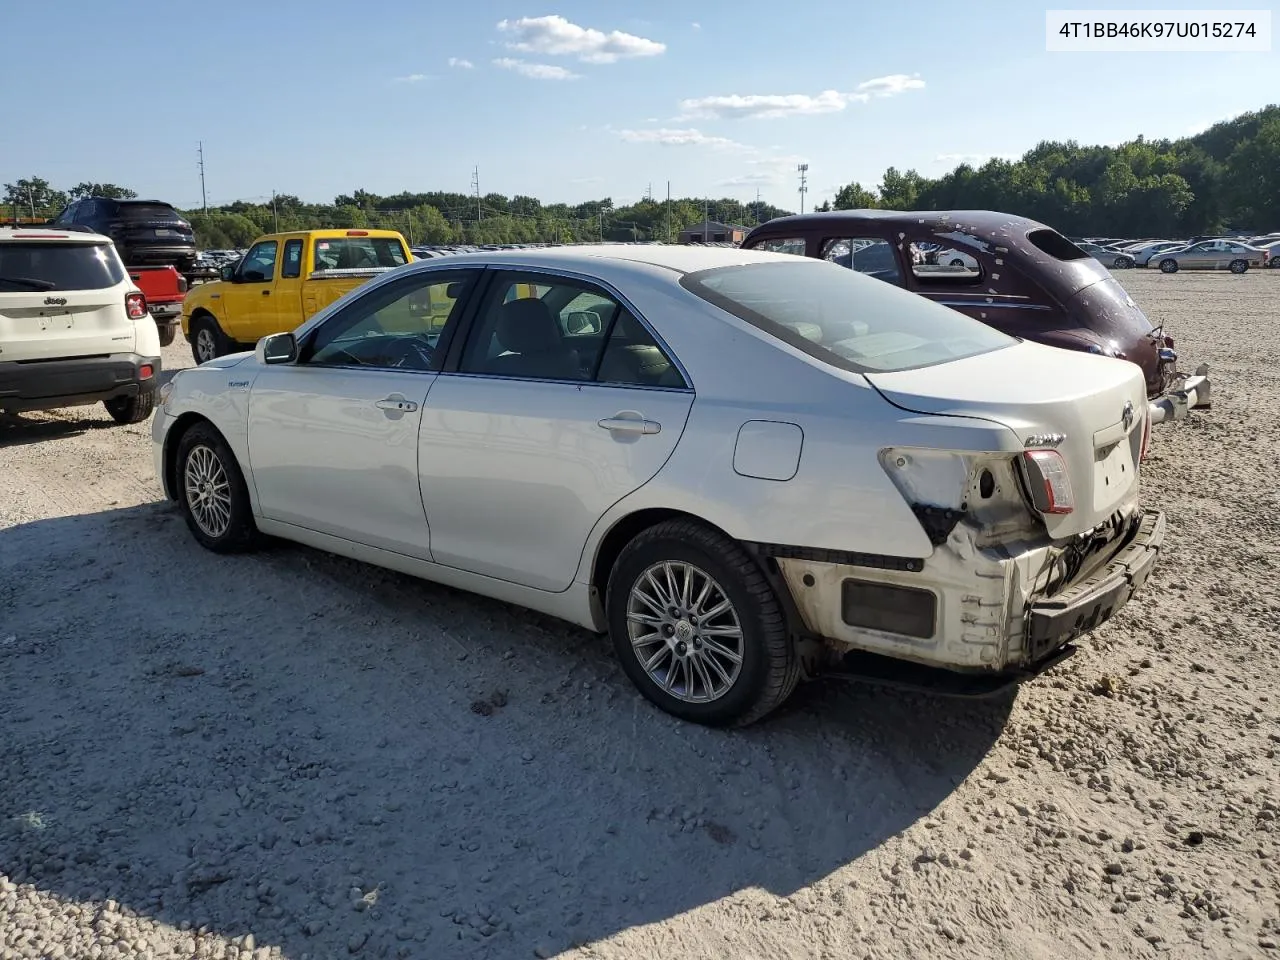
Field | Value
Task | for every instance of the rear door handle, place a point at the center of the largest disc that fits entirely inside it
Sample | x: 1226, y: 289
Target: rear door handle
x: 397, y: 404
x: 629, y: 421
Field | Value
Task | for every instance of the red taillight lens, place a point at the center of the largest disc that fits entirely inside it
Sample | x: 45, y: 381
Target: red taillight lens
x: 183, y: 286
x: 1048, y: 481
x: 145, y: 371
x: 136, y: 305
x: 1168, y: 342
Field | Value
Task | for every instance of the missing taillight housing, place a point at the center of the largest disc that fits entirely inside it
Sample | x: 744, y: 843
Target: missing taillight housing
x: 1048, y: 481
x: 135, y: 304
x: 1146, y: 436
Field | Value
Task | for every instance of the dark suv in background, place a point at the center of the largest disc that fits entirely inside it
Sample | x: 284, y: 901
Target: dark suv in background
x: 144, y: 231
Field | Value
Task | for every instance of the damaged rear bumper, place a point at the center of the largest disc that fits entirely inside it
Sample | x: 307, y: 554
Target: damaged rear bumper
x: 1191, y: 394
x: 967, y: 609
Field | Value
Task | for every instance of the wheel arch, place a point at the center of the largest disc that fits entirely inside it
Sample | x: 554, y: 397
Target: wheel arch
x: 628, y: 527
x: 172, y: 440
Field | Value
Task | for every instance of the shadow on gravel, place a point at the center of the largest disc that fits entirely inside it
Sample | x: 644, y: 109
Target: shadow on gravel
x: 331, y: 756
x: 17, y: 429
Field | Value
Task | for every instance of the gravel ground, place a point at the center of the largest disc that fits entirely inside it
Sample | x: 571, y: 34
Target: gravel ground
x: 289, y: 754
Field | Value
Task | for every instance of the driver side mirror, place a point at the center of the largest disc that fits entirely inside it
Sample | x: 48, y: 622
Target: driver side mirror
x: 228, y: 272
x: 277, y: 348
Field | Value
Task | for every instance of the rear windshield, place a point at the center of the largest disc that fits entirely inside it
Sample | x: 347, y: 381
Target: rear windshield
x: 58, y: 266
x: 350, y: 253
x: 838, y: 316
x: 148, y: 211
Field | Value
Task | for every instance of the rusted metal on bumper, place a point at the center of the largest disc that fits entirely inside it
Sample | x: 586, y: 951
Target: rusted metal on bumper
x: 1177, y: 404
x: 1083, y: 606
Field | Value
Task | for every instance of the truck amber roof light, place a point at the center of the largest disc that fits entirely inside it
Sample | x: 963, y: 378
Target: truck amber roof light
x: 357, y: 233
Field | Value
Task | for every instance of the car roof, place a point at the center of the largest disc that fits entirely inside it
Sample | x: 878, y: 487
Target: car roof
x: 28, y: 234
x: 587, y: 257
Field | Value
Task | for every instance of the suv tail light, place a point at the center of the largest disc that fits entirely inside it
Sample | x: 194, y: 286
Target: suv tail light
x: 135, y: 304
x: 183, y: 286
x: 1048, y: 482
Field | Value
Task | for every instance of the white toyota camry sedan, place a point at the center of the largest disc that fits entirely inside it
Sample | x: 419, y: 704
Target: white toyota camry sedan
x: 746, y: 468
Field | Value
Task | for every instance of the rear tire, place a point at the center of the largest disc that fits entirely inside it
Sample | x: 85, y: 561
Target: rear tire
x: 1238, y: 266
x: 208, y: 342
x: 167, y: 332
x: 681, y: 655
x: 212, y: 493
x: 1168, y: 266
x: 133, y: 409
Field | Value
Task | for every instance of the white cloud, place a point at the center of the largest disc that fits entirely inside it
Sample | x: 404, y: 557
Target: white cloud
x: 973, y: 159
x: 413, y: 78
x: 537, y: 71
x: 460, y: 63
x: 556, y: 37
x: 769, y: 170
x: 752, y: 180
x: 695, y: 25
x: 890, y: 86
x: 679, y: 137
x: 739, y: 106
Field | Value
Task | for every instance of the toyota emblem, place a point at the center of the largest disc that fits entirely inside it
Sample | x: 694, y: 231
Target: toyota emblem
x: 1127, y: 416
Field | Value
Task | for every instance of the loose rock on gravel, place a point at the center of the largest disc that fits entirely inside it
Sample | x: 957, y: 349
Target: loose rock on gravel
x: 292, y: 755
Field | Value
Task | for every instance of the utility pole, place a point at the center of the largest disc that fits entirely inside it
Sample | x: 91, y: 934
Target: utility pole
x: 601, y: 212
x: 31, y: 201
x: 475, y: 185
x: 757, y: 206
x: 668, y: 211
x: 706, y: 218
x: 803, y: 170
x: 204, y: 198
x: 275, y: 217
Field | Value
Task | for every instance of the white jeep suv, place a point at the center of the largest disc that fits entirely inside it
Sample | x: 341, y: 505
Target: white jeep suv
x: 74, y: 329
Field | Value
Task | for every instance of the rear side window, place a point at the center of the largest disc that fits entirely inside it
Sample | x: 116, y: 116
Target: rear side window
x: 844, y: 318
x: 355, y: 253
x: 292, y: 266
x: 58, y: 266
x: 1056, y: 245
x: 147, y: 211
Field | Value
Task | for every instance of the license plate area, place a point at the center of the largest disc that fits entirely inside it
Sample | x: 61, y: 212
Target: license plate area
x: 1113, y: 475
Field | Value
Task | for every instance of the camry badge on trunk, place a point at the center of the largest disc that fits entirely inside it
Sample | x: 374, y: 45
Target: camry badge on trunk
x: 1038, y: 440
x: 1127, y: 416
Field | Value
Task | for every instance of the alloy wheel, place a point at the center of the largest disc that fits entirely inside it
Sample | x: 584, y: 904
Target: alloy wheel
x: 205, y: 347
x: 208, y: 491
x: 685, y: 631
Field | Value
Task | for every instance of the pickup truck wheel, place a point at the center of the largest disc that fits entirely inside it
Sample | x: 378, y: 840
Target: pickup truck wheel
x: 167, y: 332
x: 133, y: 409
x: 212, y: 492
x: 207, y: 339
x: 698, y: 628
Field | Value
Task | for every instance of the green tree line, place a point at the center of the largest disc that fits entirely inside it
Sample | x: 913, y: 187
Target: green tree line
x: 1227, y: 177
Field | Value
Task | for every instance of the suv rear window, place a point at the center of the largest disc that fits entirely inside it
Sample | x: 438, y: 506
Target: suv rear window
x: 353, y: 253
x: 147, y: 211
x: 1056, y: 245
x: 844, y: 318
x: 58, y: 266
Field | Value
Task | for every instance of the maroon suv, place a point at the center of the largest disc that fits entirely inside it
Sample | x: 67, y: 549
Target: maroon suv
x: 1012, y: 273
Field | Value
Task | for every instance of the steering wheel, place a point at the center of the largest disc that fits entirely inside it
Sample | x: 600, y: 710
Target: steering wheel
x: 413, y: 353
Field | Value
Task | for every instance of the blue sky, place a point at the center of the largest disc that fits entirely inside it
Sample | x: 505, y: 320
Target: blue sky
x: 568, y: 100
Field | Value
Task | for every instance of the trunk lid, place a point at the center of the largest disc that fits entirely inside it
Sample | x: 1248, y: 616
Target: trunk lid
x: 78, y: 310
x: 1039, y: 392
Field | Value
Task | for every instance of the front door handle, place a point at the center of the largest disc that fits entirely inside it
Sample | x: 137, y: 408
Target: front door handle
x: 628, y: 421
x: 266, y: 293
x: 396, y: 404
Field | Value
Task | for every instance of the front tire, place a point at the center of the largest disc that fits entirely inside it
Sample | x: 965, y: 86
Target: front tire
x: 208, y: 342
x: 1238, y: 266
x: 697, y: 626
x: 212, y: 492
x: 1168, y: 266
x: 132, y: 409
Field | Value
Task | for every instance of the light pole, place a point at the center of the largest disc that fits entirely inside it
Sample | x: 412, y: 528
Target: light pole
x: 803, y: 170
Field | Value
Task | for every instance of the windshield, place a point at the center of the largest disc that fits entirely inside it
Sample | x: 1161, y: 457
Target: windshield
x: 58, y: 266
x: 352, y: 253
x: 843, y: 318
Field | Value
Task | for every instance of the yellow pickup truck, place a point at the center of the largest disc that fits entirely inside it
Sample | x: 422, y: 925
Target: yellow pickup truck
x: 283, y: 280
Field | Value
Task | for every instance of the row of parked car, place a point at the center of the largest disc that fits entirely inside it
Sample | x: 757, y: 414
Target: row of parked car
x: 877, y: 478
x: 1236, y: 254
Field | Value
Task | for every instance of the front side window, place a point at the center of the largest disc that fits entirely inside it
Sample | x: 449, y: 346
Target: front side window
x: 259, y: 264
x: 46, y: 265
x: 395, y: 327
x: 838, y: 317
x: 359, y: 253
x: 870, y: 255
